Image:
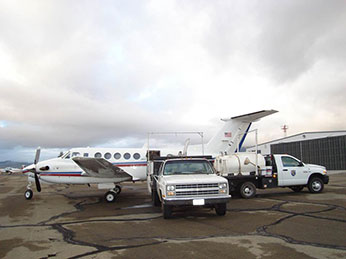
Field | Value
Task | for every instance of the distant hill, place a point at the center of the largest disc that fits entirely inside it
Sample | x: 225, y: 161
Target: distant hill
x: 14, y: 164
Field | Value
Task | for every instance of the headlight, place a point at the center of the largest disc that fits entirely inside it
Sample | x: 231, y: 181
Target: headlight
x: 170, y: 187
x: 222, y: 185
x: 325, y: 171
x: 222, y: 188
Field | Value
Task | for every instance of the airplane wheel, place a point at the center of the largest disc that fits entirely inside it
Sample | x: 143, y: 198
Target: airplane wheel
x: 110, y: 196
x: 28, y: 194
x: 117, y: 189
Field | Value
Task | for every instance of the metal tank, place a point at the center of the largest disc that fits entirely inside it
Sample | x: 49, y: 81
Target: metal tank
x: 238, y: 163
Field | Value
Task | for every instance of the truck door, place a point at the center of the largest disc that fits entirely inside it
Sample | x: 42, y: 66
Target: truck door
x: 291, y: 172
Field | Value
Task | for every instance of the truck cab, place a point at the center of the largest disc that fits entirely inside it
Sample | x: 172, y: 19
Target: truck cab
x: 247, y: 172
x: 188, y: 181
x: 293, y: 172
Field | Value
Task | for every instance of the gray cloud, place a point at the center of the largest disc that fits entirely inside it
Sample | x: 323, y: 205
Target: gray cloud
x: 295, y: 35
x: 84, y: 73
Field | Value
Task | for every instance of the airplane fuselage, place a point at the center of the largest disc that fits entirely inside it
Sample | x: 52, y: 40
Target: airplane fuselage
x: 64, y: 170
x: 133, y: 160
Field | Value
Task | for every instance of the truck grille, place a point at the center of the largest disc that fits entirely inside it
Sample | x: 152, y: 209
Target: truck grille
x: 197, y: 193
x: 194, y: 186
x: 197, y: 189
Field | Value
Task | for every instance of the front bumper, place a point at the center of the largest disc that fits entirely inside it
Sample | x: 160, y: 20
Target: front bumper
x: 189, y: 200
x: 325, y: 179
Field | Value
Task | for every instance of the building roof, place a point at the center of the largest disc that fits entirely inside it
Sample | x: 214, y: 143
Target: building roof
x: 305, y: 136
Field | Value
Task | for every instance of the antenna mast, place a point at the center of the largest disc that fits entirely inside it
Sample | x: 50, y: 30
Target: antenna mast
x: 285, y: 128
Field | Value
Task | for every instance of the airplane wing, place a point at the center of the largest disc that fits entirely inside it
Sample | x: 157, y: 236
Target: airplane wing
x: 99, y: 167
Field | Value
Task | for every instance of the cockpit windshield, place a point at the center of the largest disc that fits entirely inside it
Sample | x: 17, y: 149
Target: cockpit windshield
x: 66, y: 155
x: 188, y: 167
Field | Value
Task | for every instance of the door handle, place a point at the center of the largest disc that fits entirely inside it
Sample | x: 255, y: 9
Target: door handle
x: 285, y: 170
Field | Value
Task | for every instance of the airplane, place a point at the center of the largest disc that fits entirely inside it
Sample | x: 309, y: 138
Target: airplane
x: 108, y: 167
x: 10, y: 170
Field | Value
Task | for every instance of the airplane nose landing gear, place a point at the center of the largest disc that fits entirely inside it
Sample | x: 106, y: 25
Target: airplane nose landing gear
x: 28, y: 194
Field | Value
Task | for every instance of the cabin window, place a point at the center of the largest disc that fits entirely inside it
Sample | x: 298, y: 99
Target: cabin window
x: 75, y: 154
x: 86, y: 154
x: 108, y: 155
x: 117, y: 155
x: 98, y: 154
x: 136, y: 156
x: 127, y: 156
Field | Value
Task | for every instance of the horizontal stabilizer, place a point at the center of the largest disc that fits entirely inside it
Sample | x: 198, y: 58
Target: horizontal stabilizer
x: 99, y: 167
x: 254, y: 116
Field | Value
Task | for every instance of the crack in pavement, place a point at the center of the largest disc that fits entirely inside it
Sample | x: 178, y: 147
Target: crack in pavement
x: 263, y: 230
x: 69, y: 235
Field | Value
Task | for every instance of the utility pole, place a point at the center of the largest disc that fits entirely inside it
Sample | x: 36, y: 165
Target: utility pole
x: 285, y: 128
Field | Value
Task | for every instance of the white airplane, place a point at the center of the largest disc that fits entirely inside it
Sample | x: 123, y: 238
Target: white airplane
x: 108, y: 167
x: 10, y: 170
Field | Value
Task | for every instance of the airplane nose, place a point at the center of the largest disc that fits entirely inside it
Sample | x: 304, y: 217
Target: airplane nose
x: 28, y: 169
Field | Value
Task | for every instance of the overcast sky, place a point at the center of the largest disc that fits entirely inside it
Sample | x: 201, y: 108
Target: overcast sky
x: 104, y: 73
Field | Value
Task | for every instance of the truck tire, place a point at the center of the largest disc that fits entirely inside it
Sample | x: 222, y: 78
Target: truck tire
x: 220, y: 209
x: 247, y: 190
x: 155, y: 198
x: 315, y: 185
x: 297, y: 188
x: 166, y: 211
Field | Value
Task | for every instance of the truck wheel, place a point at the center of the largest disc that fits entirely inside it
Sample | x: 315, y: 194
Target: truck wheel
x: 297, y: 188
x: 220, y: 209
x: 315, y: 185
x: 167, y: 211
x: 155, y: 198
x: 247, y: 190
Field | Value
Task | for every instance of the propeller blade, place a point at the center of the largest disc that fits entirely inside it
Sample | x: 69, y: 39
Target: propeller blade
x: 37, y: 181
x: 37, y: 156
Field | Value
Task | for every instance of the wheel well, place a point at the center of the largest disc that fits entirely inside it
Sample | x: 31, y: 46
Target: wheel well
x: 235, y: 184
x: 315, y: 175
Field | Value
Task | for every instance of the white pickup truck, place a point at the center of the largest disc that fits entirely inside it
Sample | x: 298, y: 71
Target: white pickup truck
x: 272, y: 171
x: 186, y: 181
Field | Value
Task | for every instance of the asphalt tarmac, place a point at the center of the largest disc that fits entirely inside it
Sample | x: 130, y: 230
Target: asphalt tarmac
x: 75, y: 222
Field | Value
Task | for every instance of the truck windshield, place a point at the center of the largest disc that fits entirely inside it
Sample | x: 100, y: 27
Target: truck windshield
x: 187, y: 167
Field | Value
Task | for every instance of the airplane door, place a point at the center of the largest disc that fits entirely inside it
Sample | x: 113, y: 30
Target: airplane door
x: 292, y: 171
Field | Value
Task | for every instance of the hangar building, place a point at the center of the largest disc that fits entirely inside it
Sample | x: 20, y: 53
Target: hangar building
x: 327, y: 148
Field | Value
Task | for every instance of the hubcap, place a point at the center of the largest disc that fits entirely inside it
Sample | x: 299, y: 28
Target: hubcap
x: 27, y: 194
x: 247, y: 190
x: 316, y: 186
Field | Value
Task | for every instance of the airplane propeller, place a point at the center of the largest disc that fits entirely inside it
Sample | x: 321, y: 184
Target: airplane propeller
x: 37, y: 181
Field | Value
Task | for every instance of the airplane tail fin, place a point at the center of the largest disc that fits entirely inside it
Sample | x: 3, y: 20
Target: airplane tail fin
x: 233, y: 133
